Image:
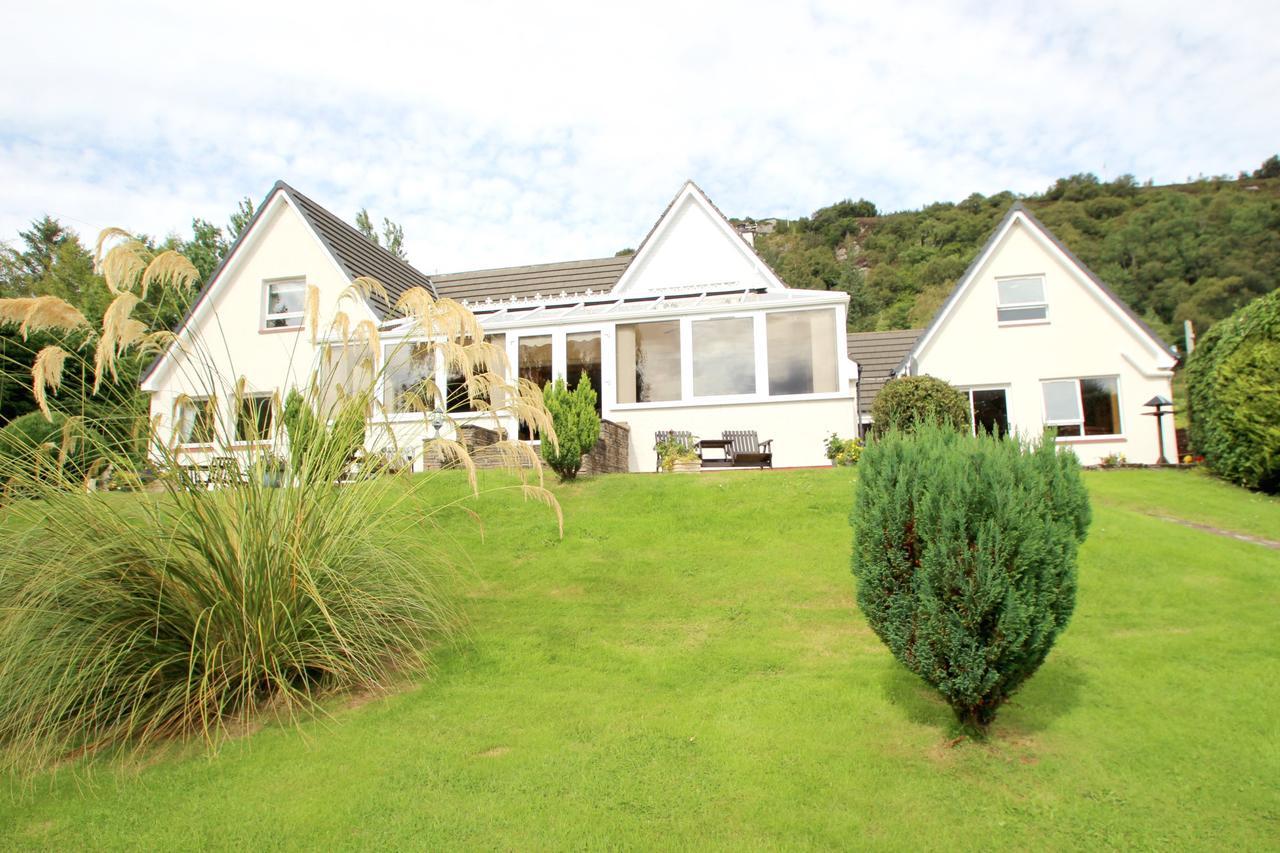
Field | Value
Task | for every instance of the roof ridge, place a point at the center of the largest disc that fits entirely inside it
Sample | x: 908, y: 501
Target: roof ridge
x: 620, y: 258
x: 390, y: 256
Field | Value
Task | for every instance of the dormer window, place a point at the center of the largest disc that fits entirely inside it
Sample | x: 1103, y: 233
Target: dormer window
x: 285, y: 303
x: 1021, y: 300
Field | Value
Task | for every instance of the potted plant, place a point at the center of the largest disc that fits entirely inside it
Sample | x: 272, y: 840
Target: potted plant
x: 273, y: 469
x: 674, y: 455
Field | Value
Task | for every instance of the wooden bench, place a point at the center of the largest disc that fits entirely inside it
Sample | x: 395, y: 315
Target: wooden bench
x: 745, y: 449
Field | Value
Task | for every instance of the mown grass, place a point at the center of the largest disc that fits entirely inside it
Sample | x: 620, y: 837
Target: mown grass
x: 687, y: 668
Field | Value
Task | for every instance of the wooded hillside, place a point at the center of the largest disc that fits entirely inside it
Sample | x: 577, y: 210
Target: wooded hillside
x: 1190, y: 251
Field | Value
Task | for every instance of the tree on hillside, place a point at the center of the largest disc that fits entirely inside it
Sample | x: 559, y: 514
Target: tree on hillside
x: 391, y: 239
x: 1270, y: 168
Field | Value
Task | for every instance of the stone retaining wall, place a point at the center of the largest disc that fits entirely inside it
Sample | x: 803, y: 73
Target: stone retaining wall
x: 609, y: 456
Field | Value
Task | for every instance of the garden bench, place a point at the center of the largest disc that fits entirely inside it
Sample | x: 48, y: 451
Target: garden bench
x: 746, y: 449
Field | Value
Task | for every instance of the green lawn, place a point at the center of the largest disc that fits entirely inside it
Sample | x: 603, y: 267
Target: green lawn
x: 687, y: 668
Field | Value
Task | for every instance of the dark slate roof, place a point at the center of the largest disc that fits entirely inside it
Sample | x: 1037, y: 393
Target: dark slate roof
x: 352, y: 250
x: 356, y: 254
x: 878, y: 355
x: 1019, y: 207
x: 572, y: 277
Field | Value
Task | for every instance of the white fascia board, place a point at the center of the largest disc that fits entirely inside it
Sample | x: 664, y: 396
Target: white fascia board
x: 1163, y: 359
x: 691, y: 191
x: 960, y: 289
x: 278, y: 199
x: 791, y: 299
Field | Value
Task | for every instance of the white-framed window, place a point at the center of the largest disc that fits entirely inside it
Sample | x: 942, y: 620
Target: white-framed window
x: 1084, y: 407
x: 409, y: 376
x: 723, y: 357
x: 194, y: 420
x: 284, y: 303
x: 648, y: 362
x: 802, y: 352
x: 1021, y: 300
x: 989, y: 410
x: 255, y: 418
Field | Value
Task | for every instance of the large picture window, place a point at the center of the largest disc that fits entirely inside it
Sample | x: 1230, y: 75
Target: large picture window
x: 582, y: 358
x: 286, y: 301
x: 194, y: 421
x: 649, y: 362
x: 724, y: 360
x: 1082, y: 407
x: 410, y: 371
x: 1021, y: 300
x: 802, y: 353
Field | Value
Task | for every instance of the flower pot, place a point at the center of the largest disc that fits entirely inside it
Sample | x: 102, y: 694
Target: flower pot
x: 686, y: 466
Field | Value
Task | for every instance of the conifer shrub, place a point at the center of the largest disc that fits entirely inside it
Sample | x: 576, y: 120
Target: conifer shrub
x: 965, y: 558
x: 909, y: 401
x: 577, y: 425
x: 1233, y: 391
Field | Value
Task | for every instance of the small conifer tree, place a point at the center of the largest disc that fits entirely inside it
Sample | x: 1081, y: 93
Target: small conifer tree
x: 577, y: 425
x: 965, y: 557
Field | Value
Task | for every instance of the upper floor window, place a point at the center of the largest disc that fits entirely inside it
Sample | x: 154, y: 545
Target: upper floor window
x: 1021, y: 299
x: 1082, y: 407
x: 285, y: 304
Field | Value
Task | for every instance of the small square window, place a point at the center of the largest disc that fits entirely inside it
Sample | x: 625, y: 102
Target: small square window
x: 195, y: 421
x: 285, y: 304
x: 1021, y: 300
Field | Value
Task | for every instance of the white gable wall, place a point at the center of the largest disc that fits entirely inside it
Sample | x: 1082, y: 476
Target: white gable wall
x: 225, y: 332
x: 1086, y: 335
x: 693, y: 246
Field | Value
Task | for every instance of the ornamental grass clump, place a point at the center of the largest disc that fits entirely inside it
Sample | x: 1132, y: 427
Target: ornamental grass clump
x: 229, y: 591
x: 965, y: 558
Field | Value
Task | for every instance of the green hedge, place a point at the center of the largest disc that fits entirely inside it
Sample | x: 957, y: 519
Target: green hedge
x: 1233, y: 393
x: 910, y: 401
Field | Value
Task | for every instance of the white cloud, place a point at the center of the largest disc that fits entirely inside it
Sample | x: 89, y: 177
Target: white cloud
x: 511, y: 133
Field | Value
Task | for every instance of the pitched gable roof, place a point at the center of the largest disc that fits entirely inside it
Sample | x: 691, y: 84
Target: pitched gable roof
x: 569, y: 277
x: 1019, y: 211
x: 356, y: 254
x: 692, y: 191
x: 878, y: 355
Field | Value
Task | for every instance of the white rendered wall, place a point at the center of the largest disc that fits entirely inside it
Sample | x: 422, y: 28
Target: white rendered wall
x: 693, y: 246
x: 1083, y: 337
x: 226, y: 339
x: 798, y: 428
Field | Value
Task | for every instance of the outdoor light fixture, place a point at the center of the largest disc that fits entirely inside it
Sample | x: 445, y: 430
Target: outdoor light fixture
x: 1163, y: 406
x: 437, y: 419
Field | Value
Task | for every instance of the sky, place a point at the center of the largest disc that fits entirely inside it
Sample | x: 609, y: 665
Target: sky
x: 510, y: 133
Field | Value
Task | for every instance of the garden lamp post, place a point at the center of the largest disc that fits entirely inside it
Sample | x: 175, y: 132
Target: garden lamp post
x: 1163, y: 406
x: 437, y: 418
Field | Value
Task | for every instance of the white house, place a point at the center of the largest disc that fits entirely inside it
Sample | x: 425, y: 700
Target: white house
x: 1034, y: 338
x: 692, y: 332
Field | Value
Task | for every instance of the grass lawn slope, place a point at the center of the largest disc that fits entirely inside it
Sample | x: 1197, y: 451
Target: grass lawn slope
x: 687, y: 667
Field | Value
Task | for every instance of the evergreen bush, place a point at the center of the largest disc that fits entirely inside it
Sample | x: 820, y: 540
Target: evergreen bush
x: 1233, y: 392
x: 909, y: 401
x: 965, y: 557
x: 577, y: 425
